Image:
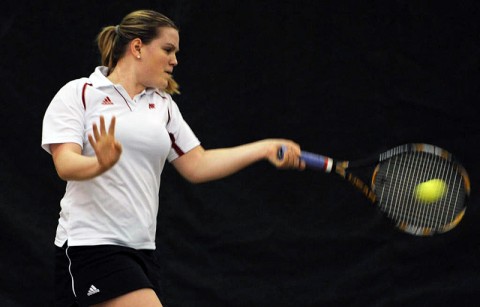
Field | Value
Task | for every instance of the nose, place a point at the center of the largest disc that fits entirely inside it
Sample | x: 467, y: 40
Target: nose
x: 173, y: 60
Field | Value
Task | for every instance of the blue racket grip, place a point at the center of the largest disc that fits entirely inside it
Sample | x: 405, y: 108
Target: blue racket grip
x: 315, y: 161
x: 312, y: 160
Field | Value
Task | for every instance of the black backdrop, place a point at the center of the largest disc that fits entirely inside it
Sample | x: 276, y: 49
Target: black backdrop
x: 340, y: 77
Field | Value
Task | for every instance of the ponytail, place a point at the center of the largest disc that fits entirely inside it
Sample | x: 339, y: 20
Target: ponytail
x: 106, y: 40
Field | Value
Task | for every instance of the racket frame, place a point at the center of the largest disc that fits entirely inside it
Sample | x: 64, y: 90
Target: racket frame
x: 341, y: 168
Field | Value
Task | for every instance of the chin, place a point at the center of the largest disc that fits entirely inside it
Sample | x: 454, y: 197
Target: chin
x: 162, y: 85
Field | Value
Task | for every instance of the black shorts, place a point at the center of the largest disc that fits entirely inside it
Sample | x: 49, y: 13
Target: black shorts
x: 86, y: 275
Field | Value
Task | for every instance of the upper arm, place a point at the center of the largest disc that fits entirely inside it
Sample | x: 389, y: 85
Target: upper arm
x: 187, y: 163
x: 58, y: 149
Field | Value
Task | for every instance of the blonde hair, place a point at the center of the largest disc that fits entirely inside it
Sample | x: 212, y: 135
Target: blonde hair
x: 144, y: 24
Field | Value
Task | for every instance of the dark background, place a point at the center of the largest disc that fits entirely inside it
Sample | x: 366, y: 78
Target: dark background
x: 344, y: 78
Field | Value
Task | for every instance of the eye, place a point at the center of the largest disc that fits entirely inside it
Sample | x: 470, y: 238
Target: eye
x: 169, y: 49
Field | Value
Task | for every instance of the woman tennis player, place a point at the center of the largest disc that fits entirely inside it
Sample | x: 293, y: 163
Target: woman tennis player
x: 109, y: 136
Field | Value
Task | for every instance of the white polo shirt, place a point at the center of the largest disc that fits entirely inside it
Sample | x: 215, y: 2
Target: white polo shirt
x: 120, y: 206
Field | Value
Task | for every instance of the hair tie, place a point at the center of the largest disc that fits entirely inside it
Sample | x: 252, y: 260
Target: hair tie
x: 116, y: 30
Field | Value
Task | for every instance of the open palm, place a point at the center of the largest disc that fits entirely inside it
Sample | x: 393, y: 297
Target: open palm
x: 106, y: 147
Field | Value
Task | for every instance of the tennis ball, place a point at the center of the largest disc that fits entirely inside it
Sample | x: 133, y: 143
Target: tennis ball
x: 431, y: 190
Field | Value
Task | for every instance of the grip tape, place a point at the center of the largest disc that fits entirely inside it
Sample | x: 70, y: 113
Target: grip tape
x: 312, y: 160
x: 316, y: 161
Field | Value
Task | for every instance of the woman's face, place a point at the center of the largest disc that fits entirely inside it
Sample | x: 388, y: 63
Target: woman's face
x: 158, y: 58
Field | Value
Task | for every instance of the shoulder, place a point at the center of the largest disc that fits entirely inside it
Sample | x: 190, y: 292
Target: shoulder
x: 71, y: 94
x: 79, y: 85
x: 165, y: 98
x: 75, y: 87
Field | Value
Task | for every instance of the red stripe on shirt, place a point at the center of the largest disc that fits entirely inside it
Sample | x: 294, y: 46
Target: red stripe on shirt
x: 83, y: 95
x: 175, y: 146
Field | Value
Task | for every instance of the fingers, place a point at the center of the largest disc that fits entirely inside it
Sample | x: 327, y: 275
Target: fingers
x: 102, y: 136
x: 289, y: 156
x: 107, y: 148
x: 103, y: 131
x: 91, y: 141
x: 111, y: 128
x: 291, y: 160
x: 97, y: 134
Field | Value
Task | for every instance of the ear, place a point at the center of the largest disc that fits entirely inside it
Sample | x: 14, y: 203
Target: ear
x: 136, y: 47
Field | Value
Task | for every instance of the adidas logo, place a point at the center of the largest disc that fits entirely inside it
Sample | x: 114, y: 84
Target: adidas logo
x: 93, y: 290
x: 107, y: 100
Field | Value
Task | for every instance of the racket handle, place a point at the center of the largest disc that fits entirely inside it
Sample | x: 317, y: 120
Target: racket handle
x: 312, y: 160
x: 317, y: 162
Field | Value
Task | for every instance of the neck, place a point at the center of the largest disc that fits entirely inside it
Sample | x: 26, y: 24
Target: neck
x: 126, y: 78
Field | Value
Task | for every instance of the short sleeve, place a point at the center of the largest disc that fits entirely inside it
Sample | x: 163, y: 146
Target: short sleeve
x: 63, y: 121
x: 182, y: 137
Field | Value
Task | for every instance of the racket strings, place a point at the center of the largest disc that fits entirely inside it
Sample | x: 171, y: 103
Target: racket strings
x: 442, y: 211
x: 401, y: 173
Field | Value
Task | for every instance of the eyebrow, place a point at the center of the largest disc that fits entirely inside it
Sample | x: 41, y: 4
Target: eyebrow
x: 173, y: 46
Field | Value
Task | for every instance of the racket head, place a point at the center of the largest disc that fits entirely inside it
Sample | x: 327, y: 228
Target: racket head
x: 399, y: 173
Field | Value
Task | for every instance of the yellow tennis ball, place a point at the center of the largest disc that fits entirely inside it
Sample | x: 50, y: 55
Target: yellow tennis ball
x: 431, y: 190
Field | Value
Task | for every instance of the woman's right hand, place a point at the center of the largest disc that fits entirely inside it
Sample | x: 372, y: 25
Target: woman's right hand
x: 72, y: 165
x: 107, y: 148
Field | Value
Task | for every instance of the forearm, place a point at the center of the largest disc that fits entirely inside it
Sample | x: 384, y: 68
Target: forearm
x: 200, y: 165
x: 77, y: 167
x: 72, y: 165
x: 223, y: 162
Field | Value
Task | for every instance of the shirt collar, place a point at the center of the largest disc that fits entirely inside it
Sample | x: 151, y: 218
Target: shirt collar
x: 99, y: 79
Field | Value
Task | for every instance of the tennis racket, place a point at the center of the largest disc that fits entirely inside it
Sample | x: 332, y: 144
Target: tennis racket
x: 399, y: 176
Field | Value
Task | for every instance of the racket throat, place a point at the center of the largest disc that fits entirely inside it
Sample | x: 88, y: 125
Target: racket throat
x: 362, y: 187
